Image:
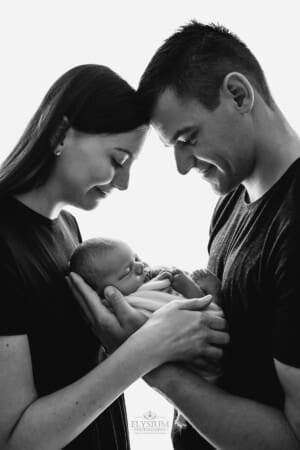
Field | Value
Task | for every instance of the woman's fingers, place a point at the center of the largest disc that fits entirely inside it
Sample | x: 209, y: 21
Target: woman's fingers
x: 81, y: 302
x: 162, y: 297
x: 147, y: 304
x: 120, y: 306
x: 150, y: 300
x: 195, y: 304
x: 90, y: 302
x: 155, y: 285
x: 146, y: 313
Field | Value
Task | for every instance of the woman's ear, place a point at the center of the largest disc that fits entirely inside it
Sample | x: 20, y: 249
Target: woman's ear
x: 239, y: 88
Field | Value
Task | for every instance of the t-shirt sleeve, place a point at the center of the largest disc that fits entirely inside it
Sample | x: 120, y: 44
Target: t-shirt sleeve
x: 13, y: 310
x: 284, y: 274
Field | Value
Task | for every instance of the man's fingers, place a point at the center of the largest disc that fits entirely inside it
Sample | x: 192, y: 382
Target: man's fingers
x: 213, y: 353
x: 196, y: 304
x: 219, y: 338
x: 214, y: 306
x: 217, y: 322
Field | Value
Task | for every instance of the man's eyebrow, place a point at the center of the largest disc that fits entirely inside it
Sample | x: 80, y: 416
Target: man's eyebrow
x: 180, y: 132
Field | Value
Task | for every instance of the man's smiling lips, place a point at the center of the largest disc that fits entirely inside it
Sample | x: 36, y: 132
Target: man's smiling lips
x: 204, y: 168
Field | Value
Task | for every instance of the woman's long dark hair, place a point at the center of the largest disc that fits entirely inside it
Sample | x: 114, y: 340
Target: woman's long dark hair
x: 89, y: 98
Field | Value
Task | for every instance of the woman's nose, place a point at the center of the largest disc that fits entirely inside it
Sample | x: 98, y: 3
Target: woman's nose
x: 121, y: 179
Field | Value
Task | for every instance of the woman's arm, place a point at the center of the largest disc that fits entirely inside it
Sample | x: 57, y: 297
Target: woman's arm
x: 53, y: 421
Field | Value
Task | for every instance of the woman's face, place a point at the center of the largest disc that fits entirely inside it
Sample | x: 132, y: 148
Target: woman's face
x: 91, y: 165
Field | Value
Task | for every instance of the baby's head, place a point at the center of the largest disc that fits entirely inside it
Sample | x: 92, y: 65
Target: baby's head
x: 102, y: 262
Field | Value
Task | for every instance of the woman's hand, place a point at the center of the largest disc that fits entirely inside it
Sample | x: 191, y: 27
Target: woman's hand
x: 187, y: 330
x: 112, y: 319
x: 149, y: 300
x: 182, y: 330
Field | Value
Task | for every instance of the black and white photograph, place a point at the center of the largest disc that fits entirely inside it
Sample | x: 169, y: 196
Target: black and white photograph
x: 149, y: 229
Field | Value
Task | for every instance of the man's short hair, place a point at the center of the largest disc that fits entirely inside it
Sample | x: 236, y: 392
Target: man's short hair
x: 194, y: 62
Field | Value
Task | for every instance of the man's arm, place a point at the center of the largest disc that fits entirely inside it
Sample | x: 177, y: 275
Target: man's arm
x: 231, y: 422
x: 289, y: 378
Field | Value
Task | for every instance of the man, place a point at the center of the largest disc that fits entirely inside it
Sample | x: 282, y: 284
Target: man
x: 208, y: 98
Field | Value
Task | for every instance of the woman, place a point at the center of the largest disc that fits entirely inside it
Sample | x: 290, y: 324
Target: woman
x: 56, y: 391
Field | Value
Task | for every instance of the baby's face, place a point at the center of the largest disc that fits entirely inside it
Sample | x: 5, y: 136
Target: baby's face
x: 126, y: 269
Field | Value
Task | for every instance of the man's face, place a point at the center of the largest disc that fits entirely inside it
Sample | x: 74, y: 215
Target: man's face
x: 219, y: 143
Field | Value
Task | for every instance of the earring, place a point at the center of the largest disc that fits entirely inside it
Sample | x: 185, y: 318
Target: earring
x: 60, y: 133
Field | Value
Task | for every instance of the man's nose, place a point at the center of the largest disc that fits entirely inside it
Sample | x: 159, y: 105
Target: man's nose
x: 184, y: 162
x: 121, y: 179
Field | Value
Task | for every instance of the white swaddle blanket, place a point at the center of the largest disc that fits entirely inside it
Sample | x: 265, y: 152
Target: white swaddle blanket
x: 152, y: 295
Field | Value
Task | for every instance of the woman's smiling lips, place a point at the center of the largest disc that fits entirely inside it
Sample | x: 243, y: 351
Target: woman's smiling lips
x: 103, y: 192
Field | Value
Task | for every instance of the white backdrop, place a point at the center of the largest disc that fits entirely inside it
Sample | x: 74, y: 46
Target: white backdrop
x: 163, y: 215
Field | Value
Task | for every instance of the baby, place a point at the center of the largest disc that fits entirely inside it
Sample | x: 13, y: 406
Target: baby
x: 102, y: 262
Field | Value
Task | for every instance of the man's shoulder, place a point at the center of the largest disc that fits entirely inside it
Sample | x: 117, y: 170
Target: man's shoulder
x: 288, y: 193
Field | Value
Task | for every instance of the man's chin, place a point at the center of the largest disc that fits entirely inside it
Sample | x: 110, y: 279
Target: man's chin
x: 221, y: 184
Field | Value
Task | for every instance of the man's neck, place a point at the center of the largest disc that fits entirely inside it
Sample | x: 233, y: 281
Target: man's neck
x: 278, y: 147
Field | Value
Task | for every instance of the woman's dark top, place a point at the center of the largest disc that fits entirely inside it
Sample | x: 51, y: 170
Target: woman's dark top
x: 35, y: 300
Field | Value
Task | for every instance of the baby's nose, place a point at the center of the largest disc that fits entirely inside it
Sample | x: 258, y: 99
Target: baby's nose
x: 139, y: 268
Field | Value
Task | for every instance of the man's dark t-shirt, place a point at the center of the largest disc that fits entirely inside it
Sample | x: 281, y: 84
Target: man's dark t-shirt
x: 35, y: 300
x: 254, y: 250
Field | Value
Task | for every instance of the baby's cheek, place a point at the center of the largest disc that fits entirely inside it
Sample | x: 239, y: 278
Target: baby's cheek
x: 128, y: 286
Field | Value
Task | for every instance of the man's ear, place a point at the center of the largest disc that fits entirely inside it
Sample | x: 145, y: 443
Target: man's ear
x: 238, y: 87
